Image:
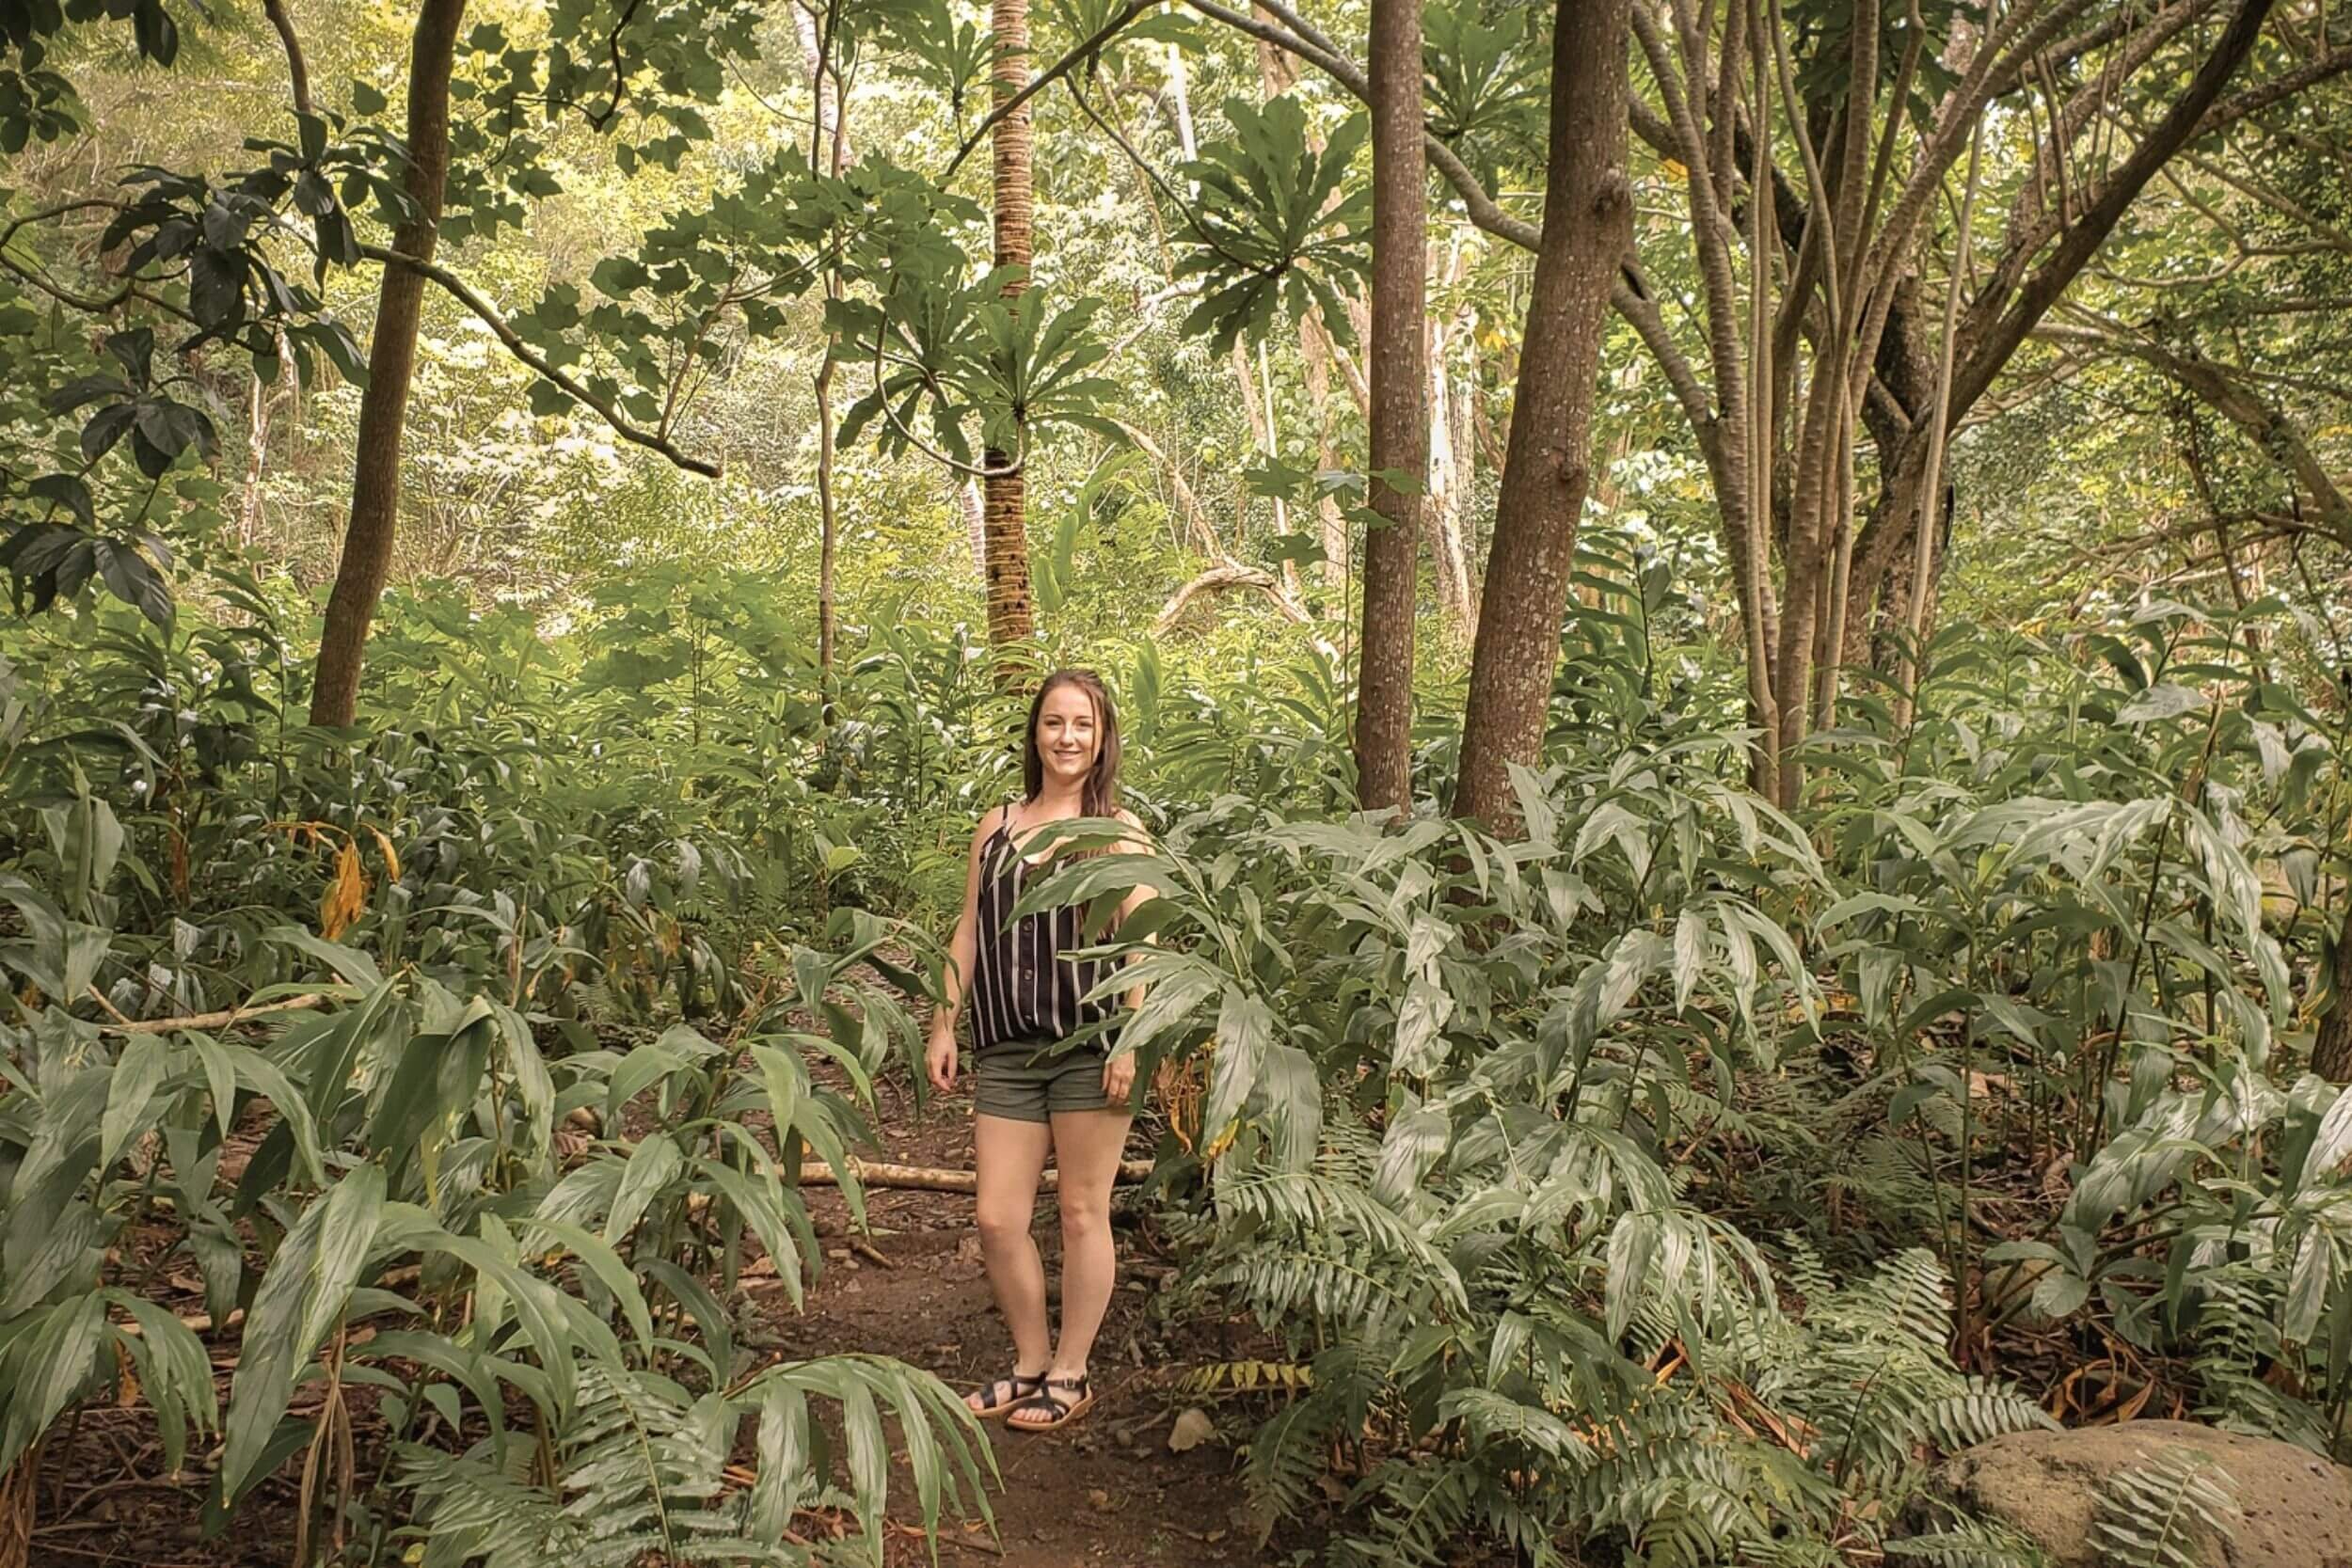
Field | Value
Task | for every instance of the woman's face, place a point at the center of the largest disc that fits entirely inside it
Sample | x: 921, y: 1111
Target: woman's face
x: 1067, y: 739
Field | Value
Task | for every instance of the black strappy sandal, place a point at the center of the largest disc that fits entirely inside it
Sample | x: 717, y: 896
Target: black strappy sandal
x: 1006, y: 1394
x: 1050, y: 1398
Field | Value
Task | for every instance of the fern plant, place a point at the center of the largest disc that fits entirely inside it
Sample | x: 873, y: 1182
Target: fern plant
x: 2176, y: 1511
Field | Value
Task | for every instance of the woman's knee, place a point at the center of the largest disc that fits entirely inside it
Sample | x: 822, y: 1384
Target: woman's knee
x: 1001, y: 1225
x: 1084, y: 1214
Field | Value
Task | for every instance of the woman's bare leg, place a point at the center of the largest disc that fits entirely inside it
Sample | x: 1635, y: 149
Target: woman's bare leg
x: 1007, y: 1158
x: 1087, y: 1146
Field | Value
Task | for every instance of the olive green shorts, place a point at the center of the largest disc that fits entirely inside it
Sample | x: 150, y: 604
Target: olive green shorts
x: 1025, y: 1082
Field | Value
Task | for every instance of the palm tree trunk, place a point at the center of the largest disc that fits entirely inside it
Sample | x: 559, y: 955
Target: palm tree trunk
x: 1011, y: 618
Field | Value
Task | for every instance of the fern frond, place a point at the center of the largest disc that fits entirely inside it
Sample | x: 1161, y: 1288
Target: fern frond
x: 2173, y: 1512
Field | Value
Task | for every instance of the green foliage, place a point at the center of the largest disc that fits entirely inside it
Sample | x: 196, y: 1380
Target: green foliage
x: 1274, y: 225
x: 2174, y: 1511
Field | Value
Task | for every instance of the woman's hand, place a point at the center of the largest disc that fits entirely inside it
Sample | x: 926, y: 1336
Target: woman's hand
x: 1118, y: 1077
x: 939, y: 1057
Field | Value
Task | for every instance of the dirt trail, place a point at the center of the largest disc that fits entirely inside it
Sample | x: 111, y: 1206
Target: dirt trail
x: 1105, y: 1491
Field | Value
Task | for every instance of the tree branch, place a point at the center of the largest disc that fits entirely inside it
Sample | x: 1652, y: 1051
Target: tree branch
x: 2217, y: 386
x: 1046, y: 78
x: 465, y: 294
x: 1994, y: 335
x: 296, y: 69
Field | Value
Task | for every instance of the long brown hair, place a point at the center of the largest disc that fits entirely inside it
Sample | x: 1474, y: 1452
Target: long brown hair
x: 1099, y: 796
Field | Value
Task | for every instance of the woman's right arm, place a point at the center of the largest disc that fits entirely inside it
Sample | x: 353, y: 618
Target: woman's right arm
x: 962, y: 948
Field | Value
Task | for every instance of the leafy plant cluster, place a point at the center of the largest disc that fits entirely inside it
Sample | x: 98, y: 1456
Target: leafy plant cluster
x: 521, y: 1260
x: 1669, y: 1177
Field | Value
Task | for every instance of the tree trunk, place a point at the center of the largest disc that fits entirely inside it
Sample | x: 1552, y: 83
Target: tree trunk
x: 2331, y: 1052
x: 833, y: 144
x: 965, y: 496
x: 367, y: 555
x: 1005, y: 519
x: 1447, y: 510
x: 1315, y: 355
x: 828, y: 524
x: 1588, y: 214
x: 1400, y: 428
x: 256, y: 459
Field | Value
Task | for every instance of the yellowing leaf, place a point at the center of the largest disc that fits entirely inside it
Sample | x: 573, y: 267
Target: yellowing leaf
x: 346, y: 895
x: 391, y: 861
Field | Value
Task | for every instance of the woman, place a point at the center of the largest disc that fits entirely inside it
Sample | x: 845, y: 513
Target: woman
x: 1032, y: 1091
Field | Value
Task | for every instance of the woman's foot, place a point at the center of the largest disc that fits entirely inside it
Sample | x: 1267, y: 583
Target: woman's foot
x: 1006, y: 1393
x: 1061, y: 1399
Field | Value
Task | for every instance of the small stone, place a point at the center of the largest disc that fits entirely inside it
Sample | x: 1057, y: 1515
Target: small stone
x: 1192, y: 1429
x: 1124, y: 1438
x: 839, y: 1255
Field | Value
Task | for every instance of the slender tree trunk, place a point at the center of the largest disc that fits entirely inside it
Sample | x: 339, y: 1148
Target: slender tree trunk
x: 1260, y: 420
x: 1466, y: 476
x: 1010, y: 616
x: 1588, y: 215
x: 1447, y: 510
x: 1314, y: 353
x: 828, y: 524
x: 965, y: 496
x: 1278, y: 74
x: 832, y: 154
x: 1179, y: 103
x: 367, y: 555
x: 256, y: 459
x: 1400, y: 427
x: 2331, y: 1052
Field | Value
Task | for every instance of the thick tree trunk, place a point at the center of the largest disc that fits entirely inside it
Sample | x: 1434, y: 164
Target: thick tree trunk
x: 1588, y: 215
x: 1005, y: 520
x: 367, y: 555
x: 1399, y: 420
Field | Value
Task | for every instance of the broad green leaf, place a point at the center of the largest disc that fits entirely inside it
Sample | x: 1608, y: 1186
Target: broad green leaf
x: 139, y: 1072
x: 46, y: 1368
x: 300, y: 1299
x: 652, y: 1165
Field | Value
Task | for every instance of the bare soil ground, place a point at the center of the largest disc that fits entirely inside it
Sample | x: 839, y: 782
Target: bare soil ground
x: 1105, y: 1490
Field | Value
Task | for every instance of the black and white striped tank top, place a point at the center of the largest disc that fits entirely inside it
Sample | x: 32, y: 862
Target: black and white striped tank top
x: 1022, y: 988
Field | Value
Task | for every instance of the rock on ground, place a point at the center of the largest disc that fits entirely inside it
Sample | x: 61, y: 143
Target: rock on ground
x: 2296, y: 1507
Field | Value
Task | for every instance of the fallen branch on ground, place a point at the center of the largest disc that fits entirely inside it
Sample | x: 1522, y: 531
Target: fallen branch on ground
x: 225, y: 1018
x: 930, y: 1179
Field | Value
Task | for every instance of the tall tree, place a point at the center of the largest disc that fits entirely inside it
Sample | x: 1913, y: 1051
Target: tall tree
x: 1588, y: 215
x: 830, y: 151
x: 1009, y: 615
x: 367, y: 555
x: 1400, y: 418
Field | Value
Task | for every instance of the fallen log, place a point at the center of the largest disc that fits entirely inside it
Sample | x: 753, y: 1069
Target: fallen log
x: 225, y: 1018
x: 871, y: 1173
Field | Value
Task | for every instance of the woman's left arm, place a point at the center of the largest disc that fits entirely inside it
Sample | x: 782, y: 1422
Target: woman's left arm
x: 1118, y: 1068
